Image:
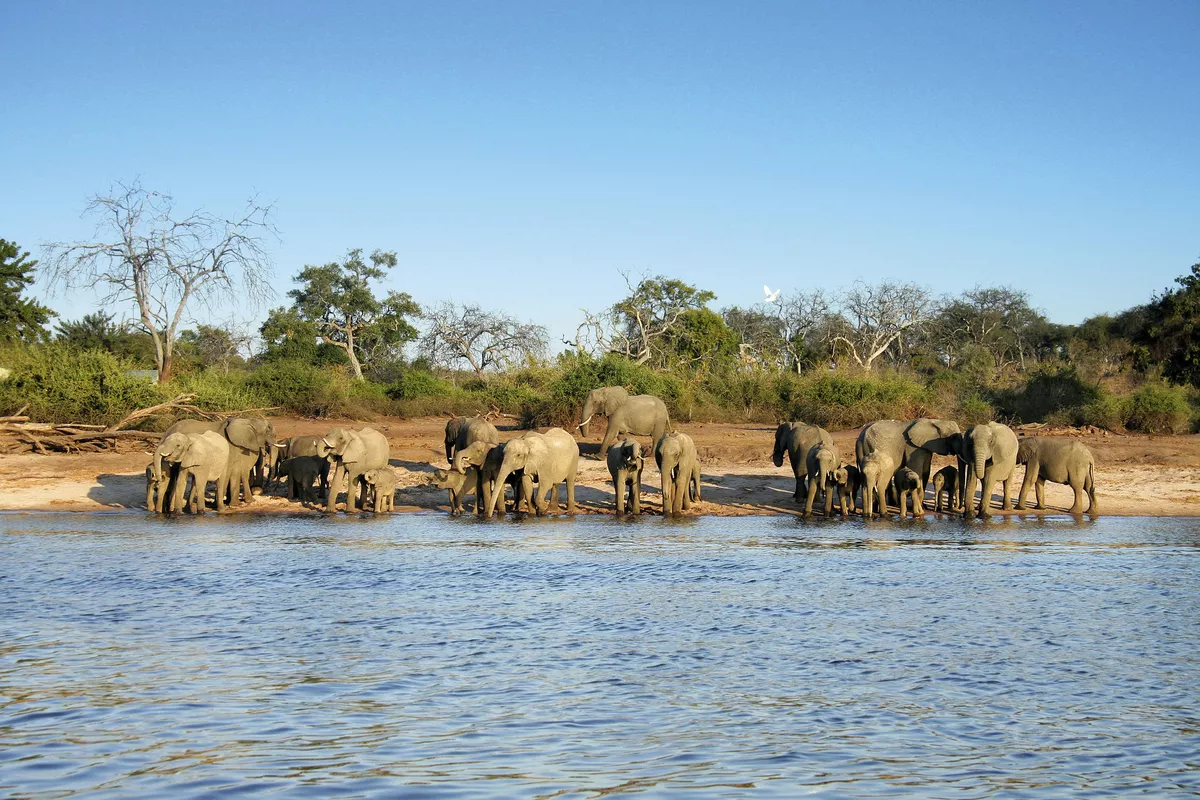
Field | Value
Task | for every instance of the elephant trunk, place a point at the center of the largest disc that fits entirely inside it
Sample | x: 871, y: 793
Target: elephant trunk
x: 499, y: 481
x: 586, y: 416
x: 980, y: 459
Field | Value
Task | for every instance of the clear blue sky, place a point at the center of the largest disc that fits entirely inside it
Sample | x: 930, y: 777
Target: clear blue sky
x: 519, y: 154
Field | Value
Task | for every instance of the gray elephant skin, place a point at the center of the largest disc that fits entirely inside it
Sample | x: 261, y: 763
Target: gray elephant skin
x: 199, y: 457
x: 1066, y: 461
x: 601, y: 402
x: 381, y: 485
x: 990, y: 450
x: 639, y: 415
x: 351, y: 453
x: 946, y: 480
x: 303, y: 447
x: 625, y: 464
x: 483, y: 461
x: 453, y: 427
x: 458, y: 484
x: 796, y: 439
x: 909, y: 487
x: 941, y: 437
x: 301, y: 472
x: 679, y: 468
x: 549, y: 458
x: 877, y: 468
x: 823, y: 464
x: 471, y: 430
x: 252, y: 447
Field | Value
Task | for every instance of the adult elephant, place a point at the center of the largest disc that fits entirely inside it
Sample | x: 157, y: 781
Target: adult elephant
x: 602, y: 401
x: 936, y: 437
x: 202, y: 457
x: 990, y: 451
x: 550, y: 458
x: 640, y: 415
x: 453, y: 426
x: 1057, y: 460
x: 795, y: 439
x: 679, y: 466
x: 469, y: 431
x: 252, y: 448
x: 885, y: 436
x: 351, y: 453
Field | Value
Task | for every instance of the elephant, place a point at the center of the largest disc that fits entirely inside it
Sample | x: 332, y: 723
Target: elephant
x: 909, y: 487
x: 625, y: 464
x: 477, y: 459
x: 877, y: 469
x: 934, y: 436
x: 252, y: 450
x: 152, y: 502
x: 302, y: 446
x: 946, y: 479
x: 203, y: 457
x: 887, y: 436
x: 679, y: 466
x: 471, y: 430
x: 458, y: 484
x: 990, y: 451
x: 796, y: 439
x: 639, y: 415
x: 603, y: 402
x: 453, y: 427
x: 350, y: 454
x: 301, y: 473
x: 822, y: 464
x: 1065, y: 461
x: 849, y: 487
x: 381, y: 484
x: 550, y: 458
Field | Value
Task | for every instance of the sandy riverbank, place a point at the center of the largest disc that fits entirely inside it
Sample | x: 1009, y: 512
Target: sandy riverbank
x: 1135, y: 475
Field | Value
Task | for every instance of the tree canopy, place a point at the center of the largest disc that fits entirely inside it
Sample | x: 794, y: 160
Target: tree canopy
x: 21, y: 319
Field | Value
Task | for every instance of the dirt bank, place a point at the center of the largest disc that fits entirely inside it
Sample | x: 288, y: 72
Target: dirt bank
x: 1135, y: 475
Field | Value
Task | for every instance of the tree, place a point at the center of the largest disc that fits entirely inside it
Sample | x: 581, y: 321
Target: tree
x: 288, y: 336
x: 213, y: 346
x: 338, y: 299
x: 21, y: 319
x: 874, y: 318
x: 801, y: 316
x: 995, y: 319
x: 1171, y: 335
x: 98, y: 331
x: 481, y: 339
x: 759, y: 335
x: 650, y: 312
x: 145, y: 253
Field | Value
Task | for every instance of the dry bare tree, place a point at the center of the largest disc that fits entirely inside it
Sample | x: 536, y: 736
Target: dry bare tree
x: 874, y: 317
x: 481, y: 339
x: 143, y: 252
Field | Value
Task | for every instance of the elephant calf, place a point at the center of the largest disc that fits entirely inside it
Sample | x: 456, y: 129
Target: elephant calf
x: 625, y: 464
x: 381, y: 483
x: 301, y: 473
x: 1065, y: 461
x: 877, y: 469
x: 822, y: 463
x: 946, y: 480
x: 909, y: 487
x: 459, y: 484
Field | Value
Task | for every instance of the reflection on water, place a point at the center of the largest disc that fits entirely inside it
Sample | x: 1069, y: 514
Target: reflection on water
x: 423, y: 656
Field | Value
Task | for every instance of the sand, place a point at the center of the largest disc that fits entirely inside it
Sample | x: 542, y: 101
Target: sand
x: 1135, y: 475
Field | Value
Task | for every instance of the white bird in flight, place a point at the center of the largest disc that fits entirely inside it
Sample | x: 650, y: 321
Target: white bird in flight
x: 771, y: 296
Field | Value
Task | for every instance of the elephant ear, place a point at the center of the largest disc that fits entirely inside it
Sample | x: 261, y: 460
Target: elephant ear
x: 192, y: 455
x: 242, y: 434
x: 354, y: 450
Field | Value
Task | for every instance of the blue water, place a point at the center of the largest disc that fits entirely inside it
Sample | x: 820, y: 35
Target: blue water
x: 419, y: 656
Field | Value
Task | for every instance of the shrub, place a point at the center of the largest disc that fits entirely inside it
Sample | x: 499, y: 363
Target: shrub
x: 974, y: 410
x: 1045, y: 393
x: 62, y: 384
x: 1106, y: 411
x: 846, y: 401
x: 216, y: 391
x: 417, y: 383
x: 1157, y: 408
x: 300, y: 388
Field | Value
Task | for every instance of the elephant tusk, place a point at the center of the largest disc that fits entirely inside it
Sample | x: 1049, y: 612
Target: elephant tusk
x: 585, y: 422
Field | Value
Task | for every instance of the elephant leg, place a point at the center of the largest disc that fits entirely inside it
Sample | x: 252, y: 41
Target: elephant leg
x: 177, y: 494
x: 811, y: 496
x: 1006, y: 485
x: 611, y: 430
x: 1040, y: 491
x: 1077, y: 506
x: 570, y: 494
x: 1030, y: 472
x: 483, y: 495
x: 985, y: 496
x: 696, y: 481
x: 335, y: 486
x: 918, y: 504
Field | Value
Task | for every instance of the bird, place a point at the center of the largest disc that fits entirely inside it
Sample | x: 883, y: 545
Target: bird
x: 771, y: 296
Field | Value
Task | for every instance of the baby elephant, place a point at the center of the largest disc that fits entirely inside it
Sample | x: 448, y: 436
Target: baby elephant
x: 625, y: 463
x: 908, y: 485
x: 849, y: 487
x: 301, y: 473
x: 946, y: 480
x: 1058, y: 461
x: 382, y: 484
x: 459, y: 485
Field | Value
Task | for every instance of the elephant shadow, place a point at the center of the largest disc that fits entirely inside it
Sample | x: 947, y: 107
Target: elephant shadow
x: 119, y: 491
x: 416, y: 466
x: 763, y: 497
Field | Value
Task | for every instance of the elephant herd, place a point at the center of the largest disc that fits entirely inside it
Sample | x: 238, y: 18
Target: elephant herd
x: 892, y: 464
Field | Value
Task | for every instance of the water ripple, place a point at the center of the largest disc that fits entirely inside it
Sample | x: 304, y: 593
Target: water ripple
x: 430, y: 657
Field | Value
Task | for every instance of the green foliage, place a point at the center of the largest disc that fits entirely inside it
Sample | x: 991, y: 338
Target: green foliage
x: 416, y: 383
x: 98, y: 331
x: 338, y: 300
x: 61, y: 384
x: 1171, y: 336
x: 21, y: 319
x: 1047, y: 392
x: 1157, y: 408
x: 217, y: 390
x: 300, y: 387
x: 843, y: 401
x: 1107, y: 411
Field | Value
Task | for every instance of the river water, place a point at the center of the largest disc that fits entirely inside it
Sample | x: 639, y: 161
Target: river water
x: 420, y: 656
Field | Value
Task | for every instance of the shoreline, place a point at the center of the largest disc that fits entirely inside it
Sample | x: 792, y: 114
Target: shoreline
x: 1135, y: 475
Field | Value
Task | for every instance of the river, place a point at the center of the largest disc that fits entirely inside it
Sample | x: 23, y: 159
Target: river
x: 421, y: 656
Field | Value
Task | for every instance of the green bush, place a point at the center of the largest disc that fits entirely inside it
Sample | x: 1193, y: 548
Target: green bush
x: 1106, y: 411
x: 1158, y: 408
x: 300, y: 388
x: 839, y: 401
x: 417, y: 383
x: 1045, y: 393
x: 61, y: 384
x: 217, y: 391
x: 974, y: 410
